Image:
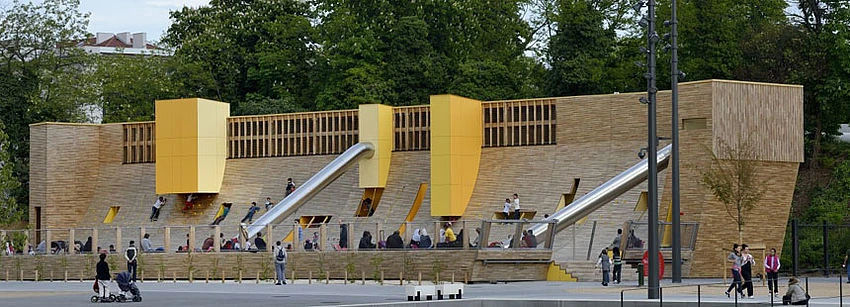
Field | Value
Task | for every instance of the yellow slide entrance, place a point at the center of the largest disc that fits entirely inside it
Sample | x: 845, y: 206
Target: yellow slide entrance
x: 369, y: 202
x: 417, y: 202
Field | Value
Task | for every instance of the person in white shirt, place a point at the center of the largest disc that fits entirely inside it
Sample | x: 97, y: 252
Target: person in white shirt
x: 507, y: 209
x: 516, y: 205
x: 155, y: 208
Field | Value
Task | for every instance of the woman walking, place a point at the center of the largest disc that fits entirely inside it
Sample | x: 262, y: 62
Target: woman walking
x: 735, y: 258
x: 747, y: 263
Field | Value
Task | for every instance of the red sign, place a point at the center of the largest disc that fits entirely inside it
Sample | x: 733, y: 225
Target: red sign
x: 645, y: 262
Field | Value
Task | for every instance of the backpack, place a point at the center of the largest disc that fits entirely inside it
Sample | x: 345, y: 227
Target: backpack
x: 281, y: 256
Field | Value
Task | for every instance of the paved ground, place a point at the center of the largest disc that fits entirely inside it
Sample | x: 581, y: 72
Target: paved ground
x: 824, y: 291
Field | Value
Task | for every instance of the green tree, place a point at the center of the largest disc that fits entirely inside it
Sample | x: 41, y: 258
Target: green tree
x: 579, y: 51
x: 733, y: 179
x: 36, y: 45
x: 231, y: 49
x: 129, y: 85
x: 10, y: 211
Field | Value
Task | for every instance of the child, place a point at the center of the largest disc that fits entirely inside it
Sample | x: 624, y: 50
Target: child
x: 605, y: 263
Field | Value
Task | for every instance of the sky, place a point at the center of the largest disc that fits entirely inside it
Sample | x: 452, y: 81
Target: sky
x: 150, y: 16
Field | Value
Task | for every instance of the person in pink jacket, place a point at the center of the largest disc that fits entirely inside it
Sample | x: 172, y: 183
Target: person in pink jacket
x: 771, y: 266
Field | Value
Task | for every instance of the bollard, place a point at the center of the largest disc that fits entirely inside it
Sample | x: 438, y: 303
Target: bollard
x: 222, y: 276
x: 363, y: 278
x: 66, y: 275
x: 191, y: 277
x: 382, y: 277
x: 174, y: 277
x: 22, y: 275
x: 453, y: 277
x: 640, y: 274
x: 309, y: 277
x: 208, y: 277
x: 159, y: 277
x: 240, y: 276
x: 51, y: 276
x: 327, y: 278
x: 35, y: 275
x: 346, y: 277
x: 7, y: 275
x: 437, y: 278
x: 420, y: 278
x: 401, y: 278
x: 258, y: 278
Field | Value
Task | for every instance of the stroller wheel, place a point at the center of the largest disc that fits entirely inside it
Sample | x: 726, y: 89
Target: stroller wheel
x: 112, y: 298
x: 122, y: 298
x: 137, y: 298
x: 94, y: 299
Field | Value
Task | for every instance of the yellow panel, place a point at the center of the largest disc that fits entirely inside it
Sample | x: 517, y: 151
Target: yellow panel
x: 642, y: 202
x: 191, y: 136
x: 556, y: 273
x: 376, y: 127
x: 667, y: 238
x: 417, y: 203
x: 113, y: 211
x: 455, y: 153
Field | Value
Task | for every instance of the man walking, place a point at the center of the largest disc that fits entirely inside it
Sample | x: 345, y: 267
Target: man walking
x: 279, y: 263
x: 131, y: 255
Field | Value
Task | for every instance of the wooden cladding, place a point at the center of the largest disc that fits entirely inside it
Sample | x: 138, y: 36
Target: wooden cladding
x: 519, y: 123
x: 412, y: 128
x: 298, y: 134
x: 138, y: 142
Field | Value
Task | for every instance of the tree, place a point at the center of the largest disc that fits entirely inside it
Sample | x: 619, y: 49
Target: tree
x: 231, y: 49
x: 579, y: 51
x: 128, y: 86
x: 733, y: 179
x: 37, y: 42
x: 10, y: 211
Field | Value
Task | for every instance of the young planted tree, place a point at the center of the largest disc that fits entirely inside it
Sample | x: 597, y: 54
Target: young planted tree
x: 732, y: 178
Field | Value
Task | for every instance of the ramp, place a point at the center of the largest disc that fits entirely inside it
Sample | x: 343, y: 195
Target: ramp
x: 311, y: 187
x: 602, y: 195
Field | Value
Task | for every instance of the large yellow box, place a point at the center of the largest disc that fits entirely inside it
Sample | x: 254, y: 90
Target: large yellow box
x: 191, y: 135
x: 456, y: 126
x: 376, y: 127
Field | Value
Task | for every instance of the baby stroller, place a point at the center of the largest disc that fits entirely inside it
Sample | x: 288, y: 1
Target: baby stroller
x: 128, y: 288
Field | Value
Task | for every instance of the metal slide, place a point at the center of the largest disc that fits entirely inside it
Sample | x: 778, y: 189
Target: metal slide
x: 313, y: 186
x: 602, y: 194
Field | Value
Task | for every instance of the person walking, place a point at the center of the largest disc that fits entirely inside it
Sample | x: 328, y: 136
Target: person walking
x: 747, y: 263
x: 771, y: 267
x: 604, y: 262
x: 618, y: 265
x: 130, y: 254
x: 279, y: 263
x: 735, y: 258
x: 507, y: 209
x: 844, y: 265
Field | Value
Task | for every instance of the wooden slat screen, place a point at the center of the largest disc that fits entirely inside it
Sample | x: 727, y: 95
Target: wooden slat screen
x: 138, y: 142
x: 297, y: 134
x: 519, y: 123
x: 412, y: 128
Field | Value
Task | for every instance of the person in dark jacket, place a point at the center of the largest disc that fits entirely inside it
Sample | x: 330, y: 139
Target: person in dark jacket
x: 424, y: 239
x: 366, y: 241
x: 395, y: 241
x: 259, y: 242
x: 86, y: 246
x: 343, y: 235
x: 103, y: 277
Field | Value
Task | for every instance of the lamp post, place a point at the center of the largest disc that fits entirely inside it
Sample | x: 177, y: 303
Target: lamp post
x: 652, y: 152
x: 674, y: 87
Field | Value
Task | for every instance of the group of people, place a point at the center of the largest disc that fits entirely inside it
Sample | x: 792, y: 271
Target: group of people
x: 607, y: 262
x: 742, y: 277
x: 507, y: 208
x: 190, y: 204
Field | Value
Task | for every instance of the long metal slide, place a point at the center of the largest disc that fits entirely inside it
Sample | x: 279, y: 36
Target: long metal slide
x: 311, y: 187
x: 602, y: 194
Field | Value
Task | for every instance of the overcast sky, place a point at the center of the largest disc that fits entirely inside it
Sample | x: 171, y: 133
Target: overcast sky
x: 150, y: 16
